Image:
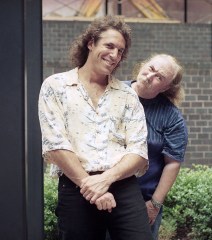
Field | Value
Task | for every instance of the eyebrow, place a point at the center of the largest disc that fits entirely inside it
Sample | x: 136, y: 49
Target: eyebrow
x: 114, y: 45
x: 158, y: 72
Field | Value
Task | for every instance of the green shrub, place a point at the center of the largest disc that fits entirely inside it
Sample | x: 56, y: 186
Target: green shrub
x: 168, y: 229
x: 50, y: 201
x: 190, y: 203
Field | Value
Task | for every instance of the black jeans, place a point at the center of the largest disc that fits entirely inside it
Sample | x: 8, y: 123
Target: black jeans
x: 80, y: 220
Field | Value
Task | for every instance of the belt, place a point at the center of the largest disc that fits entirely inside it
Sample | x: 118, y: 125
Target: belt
x: 65, y: 180
x: 95, y: 173
x: 90, y: 173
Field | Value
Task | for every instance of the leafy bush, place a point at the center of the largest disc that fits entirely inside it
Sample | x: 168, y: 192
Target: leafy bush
x: 50, y: 201
x: 189, y: 203
x: 168, y: 229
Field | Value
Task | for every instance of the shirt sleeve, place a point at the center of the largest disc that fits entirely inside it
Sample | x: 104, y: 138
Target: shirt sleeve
x: 51, y: 117
x: 136, y: 129
x: 175, y: 138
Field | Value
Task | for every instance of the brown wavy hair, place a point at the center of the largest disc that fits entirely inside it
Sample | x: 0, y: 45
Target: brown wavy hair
x: 175, y: 92
x: 79, y: 50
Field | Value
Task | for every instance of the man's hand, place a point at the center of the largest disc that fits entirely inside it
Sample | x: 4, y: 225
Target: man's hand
x: 106, y: 202
x: 152, y: 212
x: 93, y: 187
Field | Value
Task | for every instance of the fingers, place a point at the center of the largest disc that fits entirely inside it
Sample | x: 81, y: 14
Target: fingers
x: 88, y: 195
x: 106, y: 202
x: 91, y: 197
x: 92, y: 187
x: 152, y: 212
x: 151, y: 221
x: 94, y: 198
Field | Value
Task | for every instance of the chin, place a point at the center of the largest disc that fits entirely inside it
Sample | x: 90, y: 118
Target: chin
x: 109, y: 71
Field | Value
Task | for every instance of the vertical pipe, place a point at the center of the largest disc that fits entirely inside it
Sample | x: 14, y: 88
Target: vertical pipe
x: 106, y: 7
x: 185, y: 11
x: 119, y: 7
x: 32, y: 82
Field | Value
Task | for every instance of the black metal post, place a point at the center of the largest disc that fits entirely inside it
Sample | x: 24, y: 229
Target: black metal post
x: 33, y: 80
x: 185, y: 11
x: 119, y: 7
x: 106, y: 7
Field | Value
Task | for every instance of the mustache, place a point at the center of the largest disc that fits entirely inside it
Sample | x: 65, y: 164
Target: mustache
x: 145, y: 81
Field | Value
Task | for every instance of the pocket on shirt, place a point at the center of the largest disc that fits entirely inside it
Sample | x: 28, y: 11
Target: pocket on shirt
x: 117, y: 131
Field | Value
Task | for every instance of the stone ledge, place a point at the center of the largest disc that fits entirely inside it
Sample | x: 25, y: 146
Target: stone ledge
x: 88, y: 19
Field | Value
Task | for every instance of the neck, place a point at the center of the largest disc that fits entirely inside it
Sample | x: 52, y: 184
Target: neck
x: 141, y: 91
x: 136, y: 89
x: 86, y: 74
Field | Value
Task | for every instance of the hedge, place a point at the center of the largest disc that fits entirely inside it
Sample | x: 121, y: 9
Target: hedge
x: 188, y: 206
x: 50, y: 201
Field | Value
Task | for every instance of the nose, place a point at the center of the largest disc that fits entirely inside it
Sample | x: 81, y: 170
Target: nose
x: 150, y: 76
x: 114, y: 53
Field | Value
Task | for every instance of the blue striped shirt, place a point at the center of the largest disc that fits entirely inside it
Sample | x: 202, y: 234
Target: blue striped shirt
x: 167, y: 135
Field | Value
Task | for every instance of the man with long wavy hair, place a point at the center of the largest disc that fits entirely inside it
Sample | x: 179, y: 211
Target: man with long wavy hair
x: 94, y: 133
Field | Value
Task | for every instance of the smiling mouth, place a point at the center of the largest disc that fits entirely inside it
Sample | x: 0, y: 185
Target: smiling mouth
x: 109, y: 63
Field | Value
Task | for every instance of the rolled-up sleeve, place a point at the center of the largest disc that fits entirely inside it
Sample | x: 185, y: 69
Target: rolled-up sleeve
x: 175, y: 138
x: 51, y: 117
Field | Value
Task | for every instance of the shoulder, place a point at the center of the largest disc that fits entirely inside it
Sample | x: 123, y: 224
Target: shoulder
x: 61, y: 79
x: 167, y: 114
x: 124, y: 86
x: 127, y: 82
x: 173, y: 118
x: 168, y: 108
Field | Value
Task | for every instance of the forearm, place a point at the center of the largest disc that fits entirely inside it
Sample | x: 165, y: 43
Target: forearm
x: 129, y: 165
x: 69, y: 163
x: 95, y: 186
x: 167, y: 180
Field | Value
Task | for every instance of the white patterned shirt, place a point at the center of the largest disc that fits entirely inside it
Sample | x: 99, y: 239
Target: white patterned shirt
x: 99, y: 136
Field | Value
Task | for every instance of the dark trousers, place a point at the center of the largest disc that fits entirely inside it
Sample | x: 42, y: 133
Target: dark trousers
x: 80, y: 220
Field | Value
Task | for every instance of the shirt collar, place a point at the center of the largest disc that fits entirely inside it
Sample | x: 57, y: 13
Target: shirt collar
x: 151, y: 101
x: 73, y: 79
x: 113, y: 83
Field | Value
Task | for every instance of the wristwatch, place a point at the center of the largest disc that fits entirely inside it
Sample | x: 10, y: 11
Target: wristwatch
x: 156, y: 204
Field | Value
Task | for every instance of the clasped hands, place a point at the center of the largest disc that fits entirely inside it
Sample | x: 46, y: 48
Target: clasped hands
x: 95, y: 190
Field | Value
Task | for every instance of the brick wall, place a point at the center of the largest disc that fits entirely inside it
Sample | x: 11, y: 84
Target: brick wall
x: 190, y: 43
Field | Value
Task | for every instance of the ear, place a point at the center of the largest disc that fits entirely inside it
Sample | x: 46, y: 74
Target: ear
x: 90, y: 45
